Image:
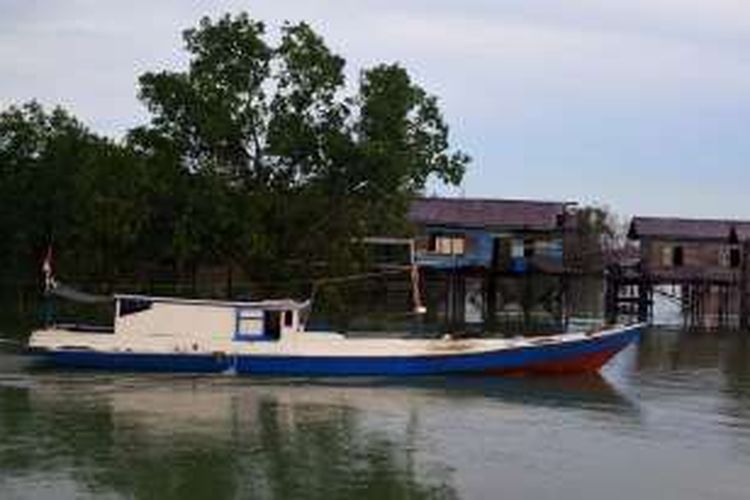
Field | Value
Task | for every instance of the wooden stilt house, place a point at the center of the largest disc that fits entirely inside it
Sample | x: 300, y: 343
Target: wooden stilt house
x: 486, y: 259
x: 698, y: 262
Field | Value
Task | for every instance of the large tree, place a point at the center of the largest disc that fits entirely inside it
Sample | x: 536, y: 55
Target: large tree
x: 258, y: 155
x: 296, y: 163
x: 63, y: 185
x: 40, y: 152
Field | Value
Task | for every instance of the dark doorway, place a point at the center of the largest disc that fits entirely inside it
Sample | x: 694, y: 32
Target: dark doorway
x: 734, y: 257
x: 501, y: 253
x: 677, y: 257
x: 272, y: 324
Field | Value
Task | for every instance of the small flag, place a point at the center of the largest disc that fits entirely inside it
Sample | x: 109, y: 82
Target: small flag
x: 419, y: 307
x: 47, y: 264
x: 49, y: 279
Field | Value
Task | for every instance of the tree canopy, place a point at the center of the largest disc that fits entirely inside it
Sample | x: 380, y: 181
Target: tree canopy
x: 258, y: 155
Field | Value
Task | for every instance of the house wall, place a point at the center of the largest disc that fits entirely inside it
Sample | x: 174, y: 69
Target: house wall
x: 657, y: 254
x: 477, y: 245
x: 496, y: 278
x: 514, y: 248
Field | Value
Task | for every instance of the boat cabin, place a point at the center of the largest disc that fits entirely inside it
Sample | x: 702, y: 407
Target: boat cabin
x: 267, y: 320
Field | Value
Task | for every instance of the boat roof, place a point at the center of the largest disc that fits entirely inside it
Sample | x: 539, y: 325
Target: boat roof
x: 272, y: 304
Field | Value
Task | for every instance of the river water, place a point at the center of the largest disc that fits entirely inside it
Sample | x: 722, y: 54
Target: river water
x: 668, y: 418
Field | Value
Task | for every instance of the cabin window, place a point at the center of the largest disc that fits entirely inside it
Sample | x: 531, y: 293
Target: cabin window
x: 447, y: 244
x: 288, y: 319
x: 249, y: 323
x: 677, y: 257
x: 132, y: 306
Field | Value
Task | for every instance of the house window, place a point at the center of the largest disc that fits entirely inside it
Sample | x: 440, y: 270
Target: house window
x: 672, y: 256
x: 528, y: 249
x: 730, y: 256
x: 448, y: 244
x: 735, y: 257
x: 666, y: 256
x: 517, y: 248
x: 677, y: 257
x: 548, y: 248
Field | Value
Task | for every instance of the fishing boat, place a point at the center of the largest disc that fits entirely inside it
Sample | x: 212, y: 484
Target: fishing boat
x: 270, y: 338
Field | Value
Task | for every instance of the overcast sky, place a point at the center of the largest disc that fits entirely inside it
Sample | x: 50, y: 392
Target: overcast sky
x: 641, y: 105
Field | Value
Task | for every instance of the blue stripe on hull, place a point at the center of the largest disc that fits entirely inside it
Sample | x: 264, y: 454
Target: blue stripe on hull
x: 513, y: 359
x: 184, y: 363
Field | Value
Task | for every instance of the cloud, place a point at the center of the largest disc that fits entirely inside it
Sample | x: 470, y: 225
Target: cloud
x: 520, y: 51
x: 553, y: 98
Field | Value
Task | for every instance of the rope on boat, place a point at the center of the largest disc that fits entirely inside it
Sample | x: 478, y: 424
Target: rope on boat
x: 11, y: 342
x: 411, y: 269
x: 70, y: 293
x: 63, y: 291
x: 355, y: 277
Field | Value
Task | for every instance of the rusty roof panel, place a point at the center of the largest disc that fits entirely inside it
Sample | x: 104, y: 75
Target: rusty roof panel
x: 688, y: 229
x: 488, y: 213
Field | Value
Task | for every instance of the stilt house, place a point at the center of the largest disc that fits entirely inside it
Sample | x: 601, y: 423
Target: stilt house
x: 677, y: 250
x: 699, y: 263
x: 478, y: 256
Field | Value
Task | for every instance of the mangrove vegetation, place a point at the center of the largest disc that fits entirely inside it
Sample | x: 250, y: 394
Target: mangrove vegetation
x: 259, y: 158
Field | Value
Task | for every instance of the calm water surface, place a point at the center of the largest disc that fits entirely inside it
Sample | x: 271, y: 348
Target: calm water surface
x: 668, y: 418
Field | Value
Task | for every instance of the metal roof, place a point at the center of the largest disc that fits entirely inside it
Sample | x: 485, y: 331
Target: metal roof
x: 688, y: 229
x: 488, y: 213
x: 272, y: 304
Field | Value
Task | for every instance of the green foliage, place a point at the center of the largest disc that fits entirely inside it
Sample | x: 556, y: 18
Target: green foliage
x: 64, y: 186
x: 39, y: 152
x: 314, y: 166
x: 595, y: 232
x: 258, y: 155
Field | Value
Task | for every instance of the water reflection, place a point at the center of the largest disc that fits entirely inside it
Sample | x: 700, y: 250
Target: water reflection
x: 172, y: 438
x: 716, y: 360
x: 698, y: 383
x: 587, y: 393
x: 674, y: 403
x: 166, y: 437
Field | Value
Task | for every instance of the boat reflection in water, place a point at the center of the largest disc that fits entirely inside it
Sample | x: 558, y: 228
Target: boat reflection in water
x: 225, y: 437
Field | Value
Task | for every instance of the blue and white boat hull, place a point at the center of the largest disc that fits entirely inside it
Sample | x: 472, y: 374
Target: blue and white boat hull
x: 337, y: 356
